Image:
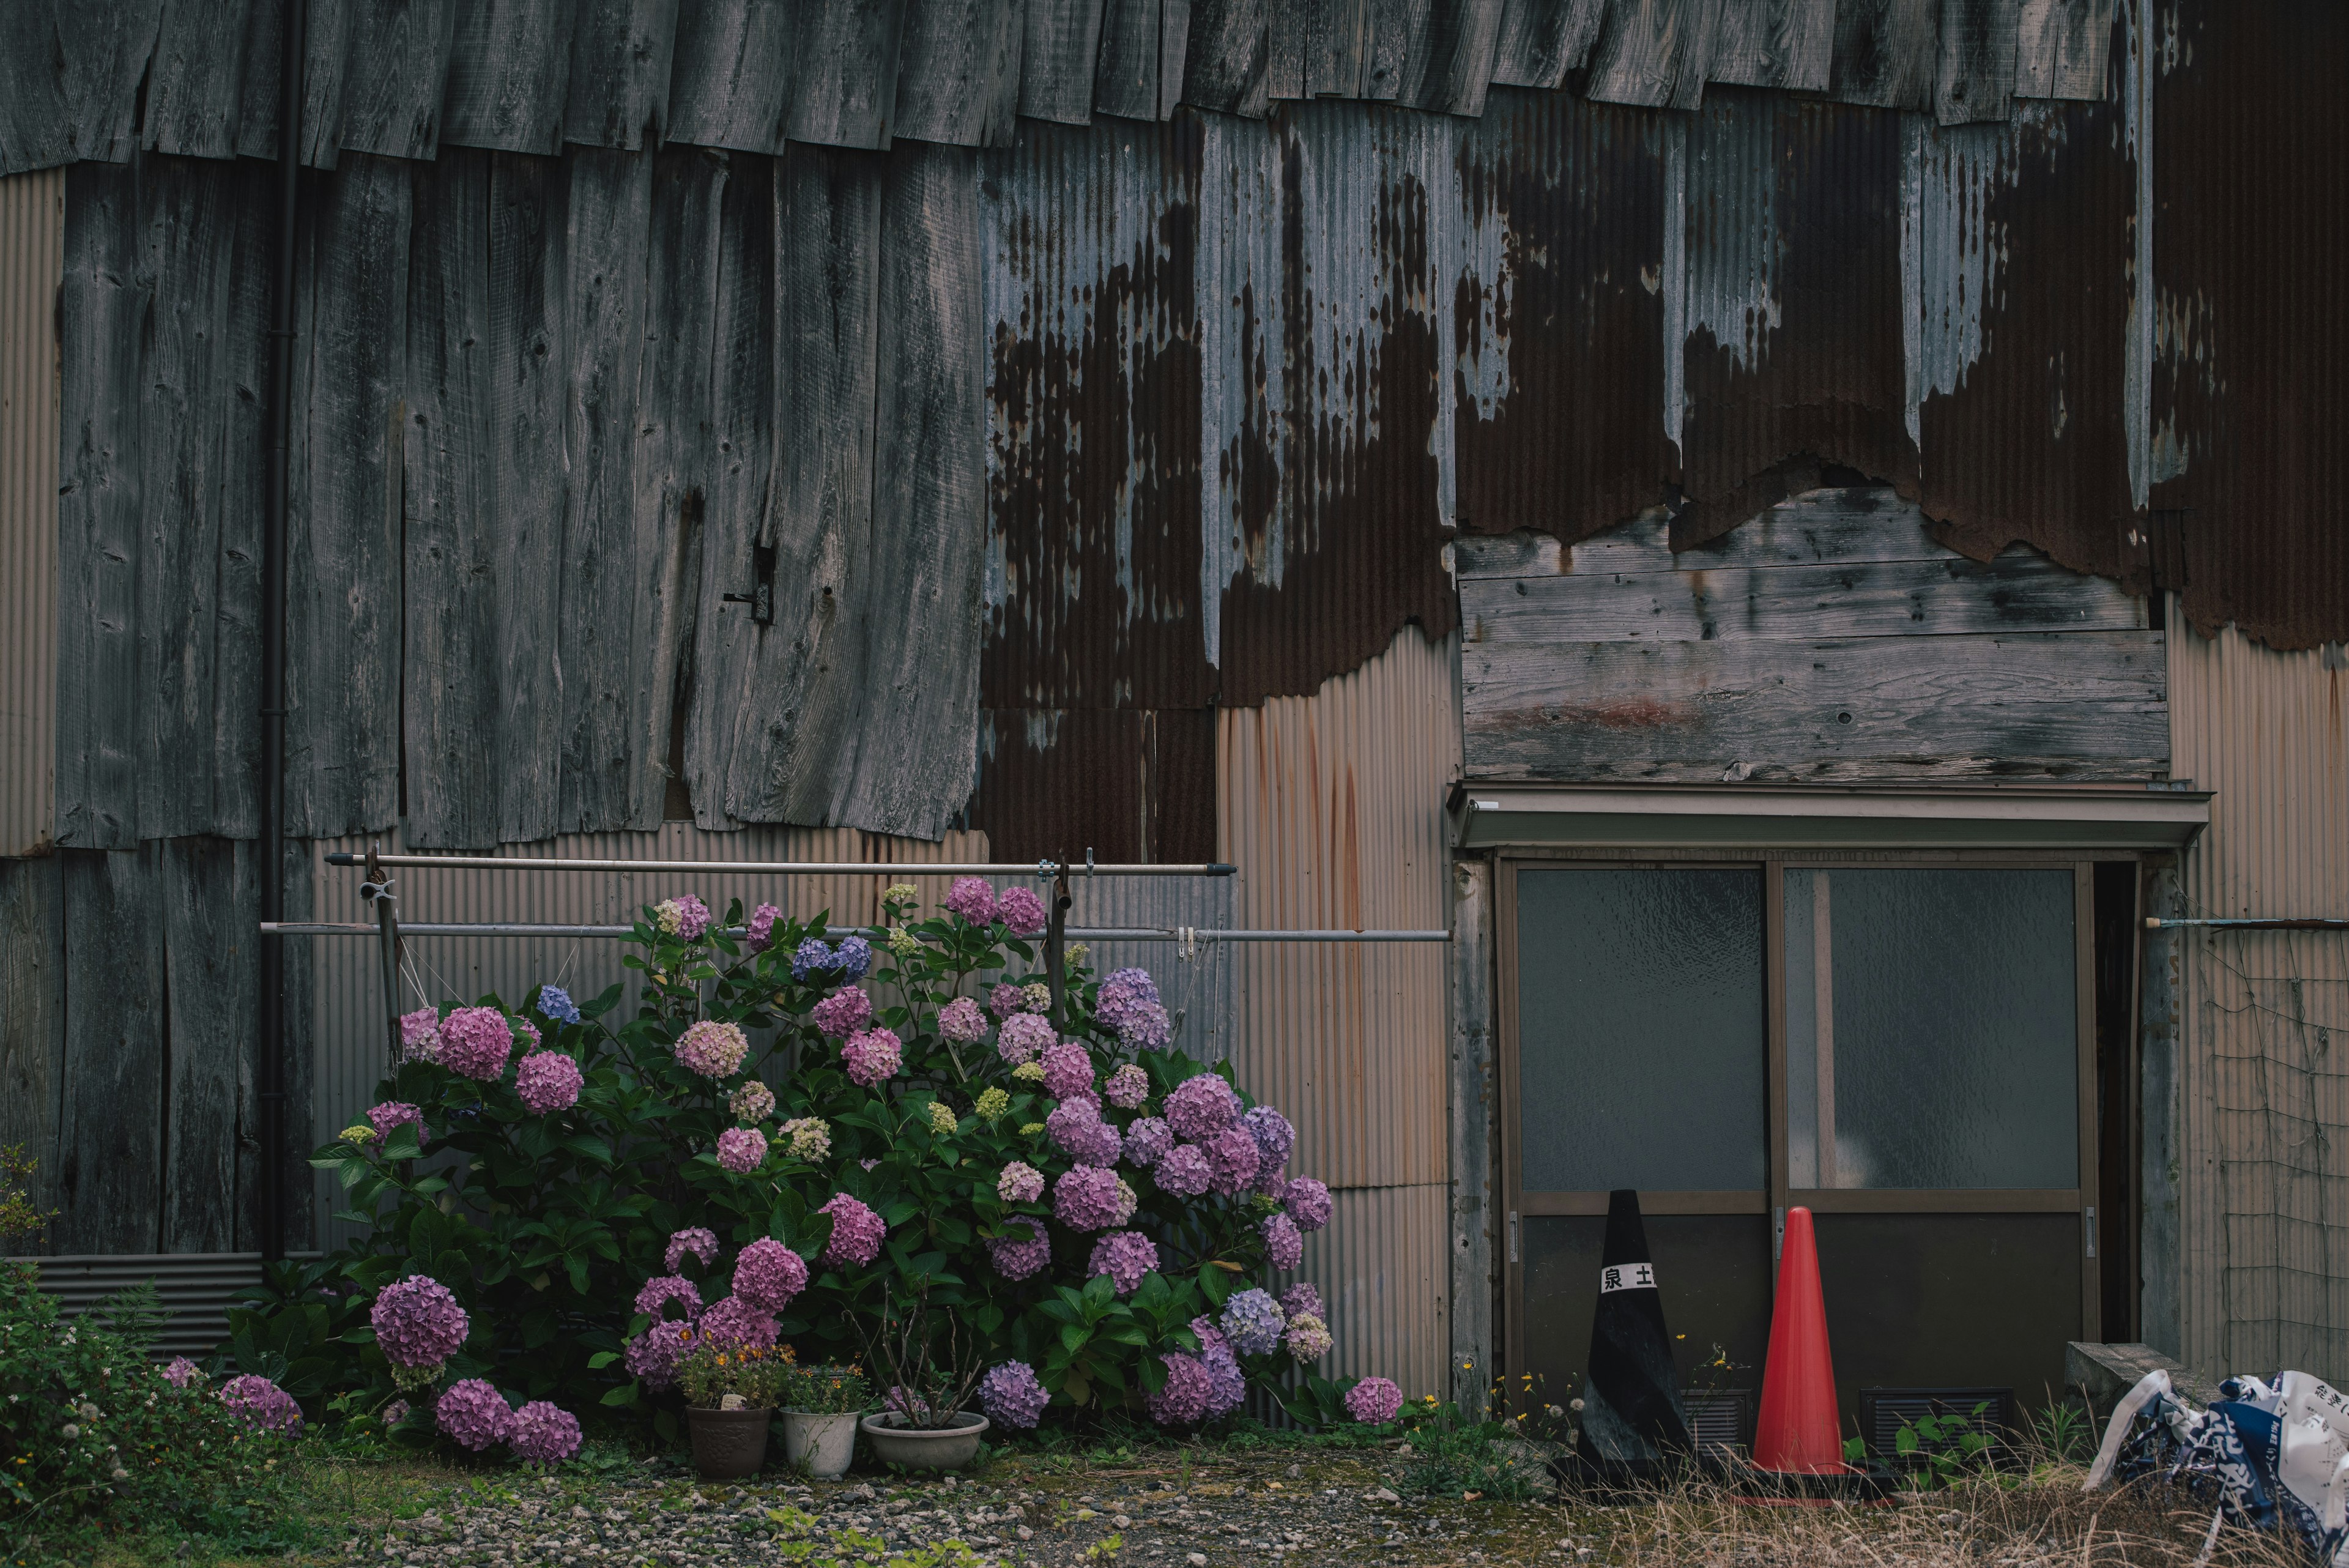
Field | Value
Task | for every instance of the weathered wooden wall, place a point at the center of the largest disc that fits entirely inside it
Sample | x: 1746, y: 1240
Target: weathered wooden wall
x: 1830, y: 640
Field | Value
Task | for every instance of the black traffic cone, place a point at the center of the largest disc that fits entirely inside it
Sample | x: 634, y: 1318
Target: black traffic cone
x: 1632, y: 1415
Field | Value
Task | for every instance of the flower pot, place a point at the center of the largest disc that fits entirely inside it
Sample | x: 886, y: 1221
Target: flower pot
x: 823, y: 1445
x: 921, y: 1449
x: 728, y: 1444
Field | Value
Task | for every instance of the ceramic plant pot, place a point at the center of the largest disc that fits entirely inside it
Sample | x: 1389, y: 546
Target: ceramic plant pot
x: 924, y: 1449
x: 822, y: 1445
x: 728, y: 1444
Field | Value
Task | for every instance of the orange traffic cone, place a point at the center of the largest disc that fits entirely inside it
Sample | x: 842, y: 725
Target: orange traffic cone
x: 1799, y: 1431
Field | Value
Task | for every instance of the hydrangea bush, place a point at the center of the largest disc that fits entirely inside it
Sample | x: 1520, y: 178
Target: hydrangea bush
x: 803, y: 1136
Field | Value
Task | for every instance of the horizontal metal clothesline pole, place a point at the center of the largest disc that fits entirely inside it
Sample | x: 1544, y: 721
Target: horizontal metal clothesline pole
x: 1082, y: 934
x: 2155, y: 923
x: 787, y: 867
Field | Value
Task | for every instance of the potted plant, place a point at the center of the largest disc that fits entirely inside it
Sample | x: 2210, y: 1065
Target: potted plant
x: 821, y: 1405
x: 730, y: 1396
x: 933, y: 1367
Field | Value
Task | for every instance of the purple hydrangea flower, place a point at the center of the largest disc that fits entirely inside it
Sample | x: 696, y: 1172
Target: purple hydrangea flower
x: 1183, y: 1171
x: 1309, y: 1203
x: 1015, y: 1258
x: 418, y: 1323
x: 1254, y: 1322
x: 730, y: 1320
x: 741, y: 1150
x: 1125, y: 1256
x: 1067, y: 1070
x: 1374, y: 1401
x: 178, y: 1371
x: 856, y: 1231
x: 1127, y: 1087
x: 1012, y: 1396
x: 961, y: 1022
x: 700, y: 1240
x: 843, y: 1012
x: 1274, y: 1138
x: 692, y: 916
x: 663, y: 1289
x: 526, y: 1031
x: 1122, y: 990
x: 1147, y: 1139
x: 812, y: 957
x: 553, y: 1001
x: 419, y: 1034
x: 872, y: 1057
x: 543, y: 1434
x: 768, y: 1274
x: 712, y: 1049
x: 653, y: 1356
x: 973, y: 899
x: 474, y: 1414
x: 1007, y: 998
x: 1090, y: 1199
x: 261, y: 1406
x: 395, y: 1413
x: 1188, y: 1394
x: 1232, y: 1158
x: 396, y: 1113
x: 762, y: 933
x: 1076, y: 1126
x: 851, y: 958
x: 1201, y: 1107
x: 1147, y: 1027
x: 1228, y: 1384
x: 1020, y: 1183
x: 1303, y: 1299
x: 1023, y: 1036
x: 1307, y: 1338
x: 1284, y: 1246
x: 753, y: 1102
x: 1021, y: 912
x: 475, y: 1042
x: 548, y: 1081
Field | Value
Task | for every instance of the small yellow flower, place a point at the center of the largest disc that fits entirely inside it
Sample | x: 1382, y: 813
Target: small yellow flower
x: 992, y: 1103
x: 903, y: 942
x: 359, y: 1135
x: 898, y: 893
x: 1029, y: 1072
x: 942, y: 1117
x: 1031, y: 1130
x: 1077, y: 952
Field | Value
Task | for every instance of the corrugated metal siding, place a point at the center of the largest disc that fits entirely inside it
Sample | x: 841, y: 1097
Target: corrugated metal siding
x: 32, y: 264
x: 2263, y: 1085
x: 196, y: 1289
x: 1332, y: 806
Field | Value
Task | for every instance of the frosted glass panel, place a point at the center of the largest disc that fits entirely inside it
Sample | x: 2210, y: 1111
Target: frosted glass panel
x: 1932, y: 1029
x: 1642, y: 1042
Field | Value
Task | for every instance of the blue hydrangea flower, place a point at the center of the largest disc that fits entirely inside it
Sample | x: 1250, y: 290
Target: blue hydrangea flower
x: 1255, y: 1323
x: 812, y: 957
x: 853, y: 957
x: 556, y: 1003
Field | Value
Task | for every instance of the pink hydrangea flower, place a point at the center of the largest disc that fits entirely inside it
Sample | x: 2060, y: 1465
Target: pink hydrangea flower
x: 526, y: 1032
x: 1007, y: 998
x: 473, y: 1414
x: 1147, y: 1139
x: 961, y: 1022
x: 730, y: 1320
x: 178, y: 1371
x: 872, y: 1057
x: 1183, y: 1171
x: 548, y: 1081
x: 1091, y: 1198
x: 1020, y: 1183
x: 712, y: 1049
x: 1127, y: 1087
x: 475, y: 1042
x: 1232, y: 1159
x: 973, y: 899
x: 856, y: 1231
x: 418, y: 1323
x: 1021, y: 912
x: 762, y: 933
x: 1067, y: 1070
x: 653, y: 1356
x: 1023, y: 1037
x: 768, y: 1274
x: 1309, y: 1203
x: 741, y: 1150
x: 1307, y: 1338
x: 261, y: 1406
x: 843, y: 1012
x: 1374, y: 1401
x: 658, y: 1292
x: 698, y: 1240
x: 1125, y: 1256
x: 692, y: 916
x: 1185, y: 1398
x: 753, y: 1102
x: 1201, y: 1107
x: 1015, y: 1258
x: 543, y: 1434
x: 1303, y: 1299
x: 1284, y: 1246
x: 419, y: 1034
x: 393, y: 1114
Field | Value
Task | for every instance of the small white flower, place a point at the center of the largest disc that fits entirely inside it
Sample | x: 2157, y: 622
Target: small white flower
x: 120, y: 1474
x: 88, y: 1410
x: 72, y: 1431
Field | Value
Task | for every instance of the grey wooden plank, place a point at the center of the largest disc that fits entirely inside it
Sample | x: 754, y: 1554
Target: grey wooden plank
x: 1474, y: 1104
x: 202, y: 389
x: 1541, y: 41
x: 33, y: 1020
x: 1224, y: 58
x: 800, y: 679
x: 2060, y: 48
x: 1774, y: 44
x: 1336, y: 46
x: 326, y: 65
x: 1976, y: 81
x: 35, y: 129
x: 915, y: 753
x: 960, y: 71
x: 103, y: 50
x: 104, y: 303
x: 343, y: 555
x: 2080, y: 705
x: 1655, y: 53
x: 209, y: 901
x: 1286, y: 35
x: 508, y: 74
x: 195, y: 86
x: 1059, y: 49
x: 605, y: 777
x: 621, y: 52
x: 298, y: 1043
x: 1455, y: 65
x: 396, y: 75
x: 1141, y: 49
x: 452, y: 681
x: 1886, y: 53
x: 740, y: 448
x: 256, y: 121
x: 1395, y: 38
x: 846, y: 60
x: 1813, y: 527
x: 730, y: 81
x: 528, y: 273
x: 110, y: 1156
x: 2020, y: 591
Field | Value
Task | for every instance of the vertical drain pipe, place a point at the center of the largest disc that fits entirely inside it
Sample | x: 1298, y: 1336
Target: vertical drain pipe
x: 277, y: 481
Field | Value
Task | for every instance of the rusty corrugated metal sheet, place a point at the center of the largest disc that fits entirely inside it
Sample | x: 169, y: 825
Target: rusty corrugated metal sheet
x: 32, y: 264
x: 1382, y: 1265
x: 196, y: 1288
x: 2263, y: 1093
x: 1558, y: 316
x: 2251, y: 360
x: 1129, y: 785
